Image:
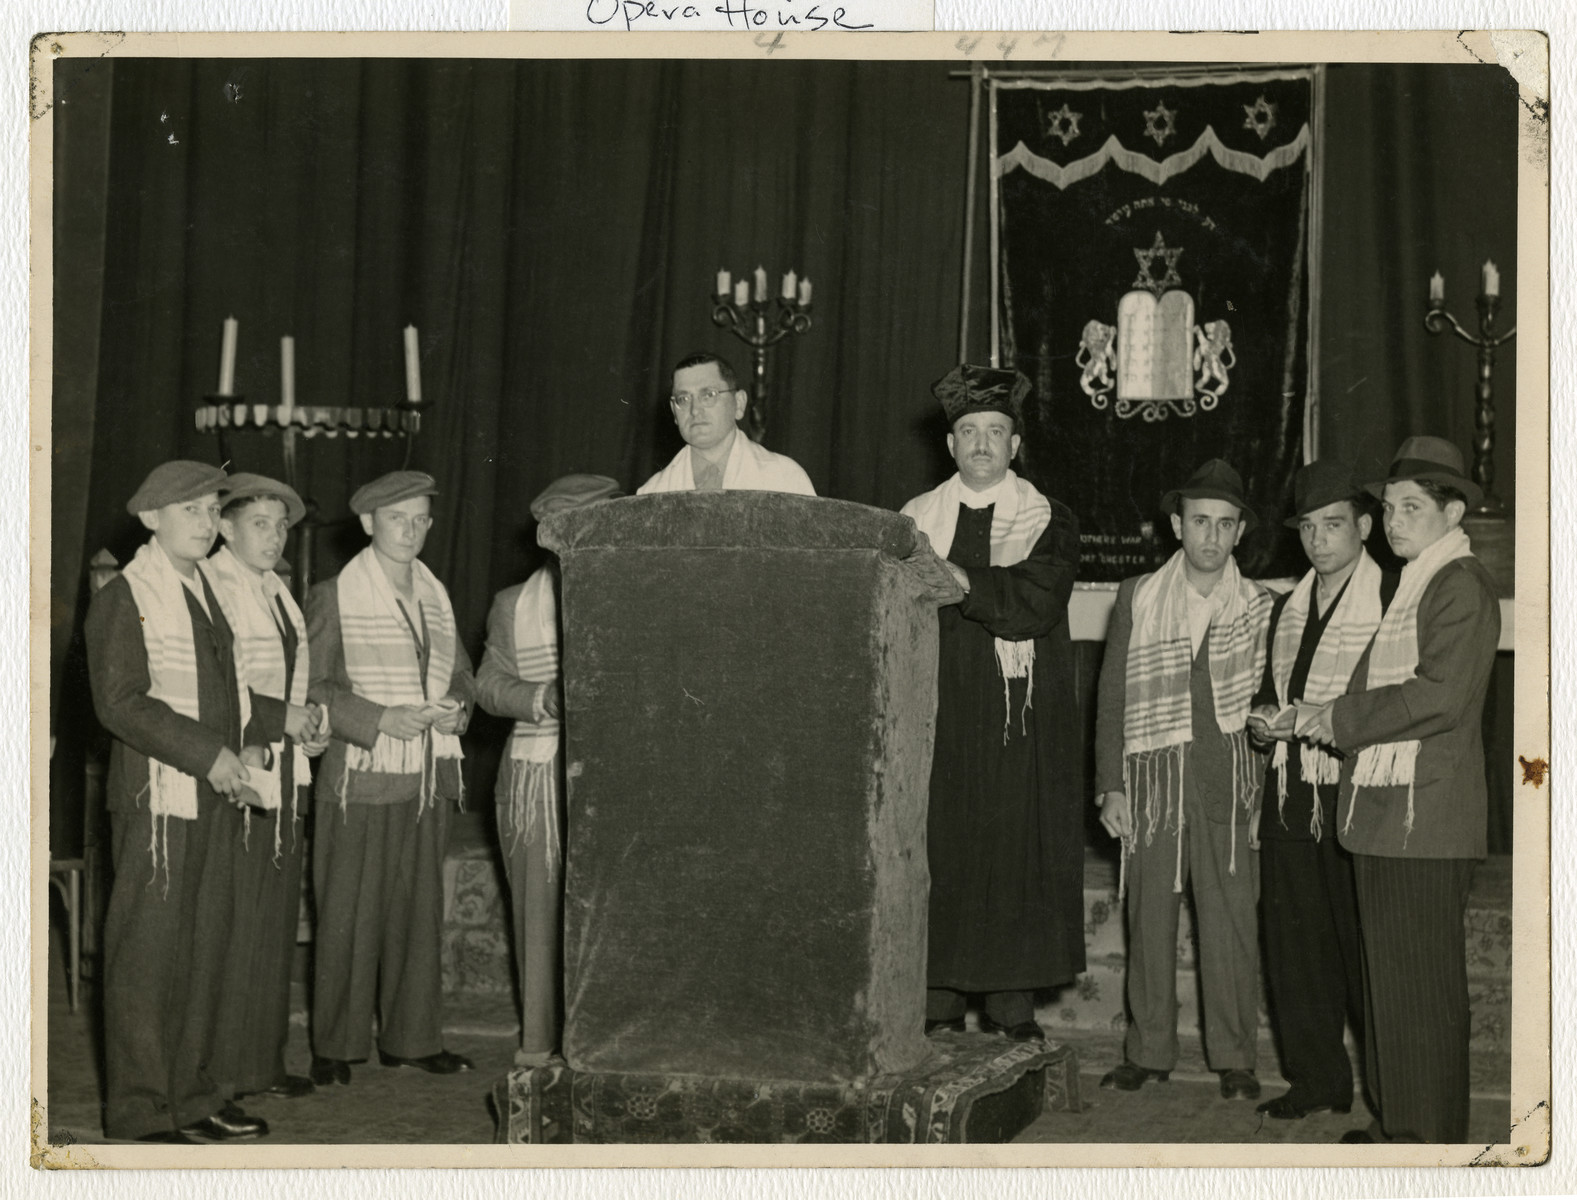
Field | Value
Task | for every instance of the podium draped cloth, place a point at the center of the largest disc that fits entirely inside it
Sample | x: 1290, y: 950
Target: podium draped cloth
x: 1153, y: 240
x: 1005, y: 831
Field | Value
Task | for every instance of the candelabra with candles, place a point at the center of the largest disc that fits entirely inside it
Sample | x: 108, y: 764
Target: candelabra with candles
x: 225, y: 413
x: 744, y: 310
x: 1437, y: 320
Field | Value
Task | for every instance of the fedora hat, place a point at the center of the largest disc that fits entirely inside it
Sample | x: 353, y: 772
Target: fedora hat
x: 1431, y: 458
x: 1325, y: 481
x: 1216, y: 480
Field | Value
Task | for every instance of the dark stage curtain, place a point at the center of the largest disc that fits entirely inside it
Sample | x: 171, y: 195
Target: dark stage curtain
x: 553, y: 229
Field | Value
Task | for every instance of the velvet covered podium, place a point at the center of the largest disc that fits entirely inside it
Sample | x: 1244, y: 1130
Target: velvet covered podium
x: 750, y: 697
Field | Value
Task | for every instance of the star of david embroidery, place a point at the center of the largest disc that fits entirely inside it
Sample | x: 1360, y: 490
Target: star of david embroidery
x: 1064, y: 124
x: 1261, y: 117
x: 1160, y: 123
x: 1146, y: 278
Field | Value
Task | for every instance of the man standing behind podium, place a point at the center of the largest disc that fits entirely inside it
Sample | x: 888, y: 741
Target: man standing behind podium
x: 1004, y: 835
x: 708, y: 404
x: 389, y: 666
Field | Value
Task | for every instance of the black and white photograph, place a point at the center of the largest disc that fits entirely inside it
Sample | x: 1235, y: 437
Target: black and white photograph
x: 750, y: 596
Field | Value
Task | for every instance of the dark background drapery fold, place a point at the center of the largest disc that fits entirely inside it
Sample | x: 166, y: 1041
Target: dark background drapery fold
x: 553, y: 229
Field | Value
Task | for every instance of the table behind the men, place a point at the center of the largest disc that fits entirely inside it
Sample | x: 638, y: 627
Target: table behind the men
x: 750, y: 703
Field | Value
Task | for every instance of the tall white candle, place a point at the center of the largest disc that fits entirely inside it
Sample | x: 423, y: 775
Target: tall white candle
x: 724, y: 283
x: 761, y: 284
x: 1491, y: 279
x: 413, y: 367
x: 1437, y: 286
x: 804, y: 291
x: 742, y: 293
x: 227, y: 358
x: 789, y: 280
x: 287, y: 372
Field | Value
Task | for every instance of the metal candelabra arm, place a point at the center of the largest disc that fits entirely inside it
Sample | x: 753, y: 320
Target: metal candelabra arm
x: 1437, y: 320
x: 752, y: 324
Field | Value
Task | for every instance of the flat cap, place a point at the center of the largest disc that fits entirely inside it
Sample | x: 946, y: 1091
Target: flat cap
x: 391, y: 489
x: 572, y: 491
x: 174, y: 482
x: 243, y: 485
x: 968, y: 388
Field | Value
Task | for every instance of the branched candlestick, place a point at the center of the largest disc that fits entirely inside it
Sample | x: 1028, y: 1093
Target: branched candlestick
x: 761, y: 323
x: 1438, y: 320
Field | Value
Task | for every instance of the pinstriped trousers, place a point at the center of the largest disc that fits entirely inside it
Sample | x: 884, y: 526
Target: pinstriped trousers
x: 1415, y: 987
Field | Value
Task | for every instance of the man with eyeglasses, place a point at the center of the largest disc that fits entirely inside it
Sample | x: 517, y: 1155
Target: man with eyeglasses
x: 397, y: 683
x: 708, y: 404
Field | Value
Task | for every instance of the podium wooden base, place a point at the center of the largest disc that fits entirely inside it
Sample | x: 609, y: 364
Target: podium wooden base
x: 974, y: 1088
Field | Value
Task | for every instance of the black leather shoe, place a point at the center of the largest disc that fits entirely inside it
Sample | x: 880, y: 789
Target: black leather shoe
x: 1130, y: 1077
x: 229, y: 1124
x: 1290, y: 1107
x: 445, y: 1062
x: 291, y: 1087
x: 1024, y: 1031
x: 1238, y: 1084
x: 1356, y: 1137
x: 326, y: 1071
x: 169, y: 1137
x: 944, y: 1025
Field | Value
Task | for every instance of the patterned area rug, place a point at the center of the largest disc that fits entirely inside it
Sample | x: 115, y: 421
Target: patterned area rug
x: 976, y: 1088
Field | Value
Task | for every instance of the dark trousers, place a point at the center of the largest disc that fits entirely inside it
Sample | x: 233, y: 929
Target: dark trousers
x: 377, y: 874
x: 166, y: 937
x: 1005, y: 1008
x: 534, y: 866
x: 1415, y: 981
x: 256, y: 1022
x: 1313, y: 962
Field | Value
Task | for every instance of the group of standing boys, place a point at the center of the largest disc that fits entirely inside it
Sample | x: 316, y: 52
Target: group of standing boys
x: 1368, y: 688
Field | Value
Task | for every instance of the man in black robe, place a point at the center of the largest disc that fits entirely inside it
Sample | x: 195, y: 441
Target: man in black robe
x: 1005, y: 838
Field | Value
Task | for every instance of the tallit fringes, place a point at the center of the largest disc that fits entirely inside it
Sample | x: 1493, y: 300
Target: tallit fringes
x: 1407, y: 824
x: 1177, y: 878
x: 1317, y: 820
x: 1352, y: 805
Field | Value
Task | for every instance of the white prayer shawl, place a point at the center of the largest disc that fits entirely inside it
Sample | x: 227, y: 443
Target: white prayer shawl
x: 159, y: 593
x: 250, y: 601
x: 1158, y: 709
x: 381, y: 660
x: 1020, y: 516
x: 750, y: 468
x: 1347, y: 635
x: 533, y: 797
x: 1394, y: 660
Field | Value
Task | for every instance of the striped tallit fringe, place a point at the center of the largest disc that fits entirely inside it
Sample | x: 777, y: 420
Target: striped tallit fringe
x: 534, y: 811
x: 1157, y: 770
x: 1016, y: 660
x: 1387, y: 764
x: 418, y: 755
x: 1317, y: 765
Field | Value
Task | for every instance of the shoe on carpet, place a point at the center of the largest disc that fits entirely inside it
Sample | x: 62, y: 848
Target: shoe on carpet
x: 291, y: 1087
x: 943, y: 1025
x: 1024, y: 1031
x: 1130, y: 1077
x: 229, y: 1124
x: 1356, y: 1137
x: 1291, y: 1107
x: 326, y: 1071
x: 1238, y: 1084
x: 445, y: 1062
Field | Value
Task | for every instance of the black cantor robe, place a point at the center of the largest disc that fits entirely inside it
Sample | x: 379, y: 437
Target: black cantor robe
x: 1005, y: 831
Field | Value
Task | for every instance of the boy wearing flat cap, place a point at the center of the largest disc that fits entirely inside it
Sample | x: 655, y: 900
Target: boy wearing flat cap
x: 389, y: 667
x: 1004, y: 835
x: 1318, y: 631
x: 271, y: 634
x: 172, y: 691
x: 521, y: 678
x: 1414, y: 801
x: 1177, y: 781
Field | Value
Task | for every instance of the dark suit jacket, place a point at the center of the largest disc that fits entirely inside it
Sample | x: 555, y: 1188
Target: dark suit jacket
x: 1443, y: 708
x: 144, y: 727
